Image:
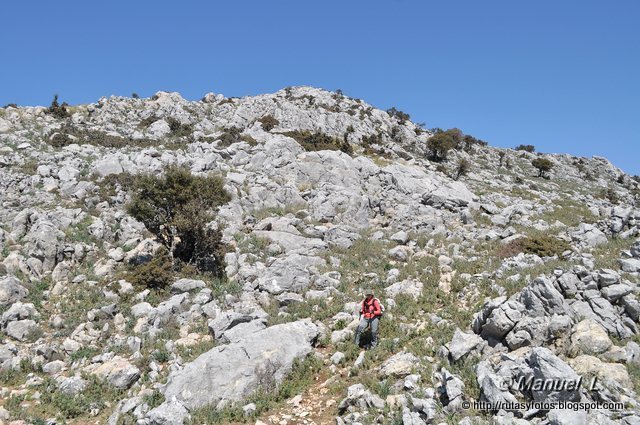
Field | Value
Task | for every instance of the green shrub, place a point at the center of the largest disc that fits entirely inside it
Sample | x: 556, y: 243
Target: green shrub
x: 526, y: 148
x: 135, y: 95
x: 543, y: 165
x: 540, y: 245
x: 269, y: 122
x: 154, y: 274
x: 58, y: 110
x: 177, y: 207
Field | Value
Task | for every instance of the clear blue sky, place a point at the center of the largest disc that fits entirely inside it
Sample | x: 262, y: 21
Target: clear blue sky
x: 561, y: 75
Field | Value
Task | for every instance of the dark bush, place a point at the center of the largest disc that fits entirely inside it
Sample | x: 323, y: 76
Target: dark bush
x: 402, y: 117
x: 526, y: 148
x: 543, y: 165
x: 10, y: 105
x: 58, y: 110
x: 373, y: 145
x: 155, y: 274
x: 233, y: 135
x: 269, y: 122
x: 540, y: 245
x: 178, y: 129
x: 501, y: 156
x: 177, y: 207
x: 135, y: 95
x: 317, y: 141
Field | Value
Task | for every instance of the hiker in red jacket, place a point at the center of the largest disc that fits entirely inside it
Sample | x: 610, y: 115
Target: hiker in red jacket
x: 370, y: 313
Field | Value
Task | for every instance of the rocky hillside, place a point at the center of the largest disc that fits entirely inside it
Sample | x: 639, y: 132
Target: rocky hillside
x: 494, y: 265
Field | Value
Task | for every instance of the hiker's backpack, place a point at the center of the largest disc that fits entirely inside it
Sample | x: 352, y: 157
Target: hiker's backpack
x: 381, y: 307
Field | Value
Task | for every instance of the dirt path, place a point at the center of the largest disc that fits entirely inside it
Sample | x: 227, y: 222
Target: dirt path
x: 317, y: 405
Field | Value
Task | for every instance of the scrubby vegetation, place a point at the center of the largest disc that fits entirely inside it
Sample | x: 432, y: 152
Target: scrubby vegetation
x: 177, y: 208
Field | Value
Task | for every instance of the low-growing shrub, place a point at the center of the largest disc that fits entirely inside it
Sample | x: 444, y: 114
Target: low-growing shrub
x: 540, y: 245
x: 154, y: 274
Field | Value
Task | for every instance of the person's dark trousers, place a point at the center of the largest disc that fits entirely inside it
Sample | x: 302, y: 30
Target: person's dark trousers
x: 373, y: 323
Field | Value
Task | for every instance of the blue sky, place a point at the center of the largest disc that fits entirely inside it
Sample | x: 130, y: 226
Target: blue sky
x: 561, y: 75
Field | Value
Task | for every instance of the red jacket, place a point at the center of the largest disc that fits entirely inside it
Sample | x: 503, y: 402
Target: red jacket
x: 370, y: 309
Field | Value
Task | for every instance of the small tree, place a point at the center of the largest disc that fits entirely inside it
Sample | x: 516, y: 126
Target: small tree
x: 177, y: 207
x: 58, y: 110
x: 463, y: 168
x: 501, y: 156
x: 442, y: 142
x: 402, y: 117
x: 543, y: 165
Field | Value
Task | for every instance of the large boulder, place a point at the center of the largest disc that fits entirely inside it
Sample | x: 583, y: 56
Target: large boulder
x: 547, y: 367
x: 230, y: 373
x: 289, y: 274
x: 398, y: 365
x: 118, y: 372
x: 462, y: 343
x: 589, y: 338
x: 11, y: 290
